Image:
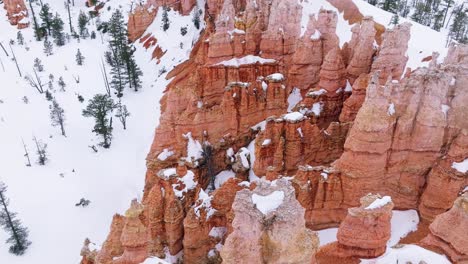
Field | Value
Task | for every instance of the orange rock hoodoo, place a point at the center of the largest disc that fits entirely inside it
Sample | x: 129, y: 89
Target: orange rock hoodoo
x: 338, y: 119
x: 17, y: 13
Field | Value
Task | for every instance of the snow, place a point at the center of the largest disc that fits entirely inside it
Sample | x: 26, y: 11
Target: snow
x: 294, y: 98
x: 155, y: 260
x: 453, y: 81
x: 266, y: 142
x: 169, y: 172
x: 299, y: 130
x: 204, y: 201
x: 44, y: 196
x: 251, y: 148
x: 244, y: 153
x: 327, y: 235
x: 408, y: 254
x: 222, y: 177
x: 294, y: 116
x: 316, y: 35
x: 165, y: 154
x: 317, y: 108
x: 217, y: 232
x: 276, y: 77
x: 324, y: 176
x: 230, y: 154
x: 264, y: 86
x: 194, y: 148
x: 391, y: 109
x: 402, y: 223
x: 318, y: 92
x: 167, y: 260
x: 189, y: 182
x: 444, y: 108
x: 461, y: 166
x: 261, y: 125
x: 249, y: 59
x: 348, y: 87
x: 268, y: 202
x: 379, y: 202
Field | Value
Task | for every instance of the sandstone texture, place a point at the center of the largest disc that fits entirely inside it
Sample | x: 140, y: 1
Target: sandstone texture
x: 277, y: 235
x: 17, y: 13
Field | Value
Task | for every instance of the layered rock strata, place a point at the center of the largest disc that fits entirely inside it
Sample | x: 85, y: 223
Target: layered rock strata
x: 268, y: 227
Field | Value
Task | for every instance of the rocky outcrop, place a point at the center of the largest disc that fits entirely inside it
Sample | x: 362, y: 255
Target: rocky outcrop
x: 17, y: 13
x: 391, y: 59
x: 269, y: 227
x: 365, y: 230
x: 448, y: 232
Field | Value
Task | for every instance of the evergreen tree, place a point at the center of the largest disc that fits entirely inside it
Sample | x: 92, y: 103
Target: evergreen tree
x: 82, y: 23
x: 79, y: 58
x: 57, y: 30
x: 57, y: 116
x: 165, y: 18
x: 390, y: 5
x: 48, y: 47
x: 99, y: 108
x: 395, y: 20
x: 46, y: 17
x: 61, y: 83
x: 196, y: 17
x: 20, y: 38
x: 38, y: 65
x: 41, y: 151
x: 459, y: 28
x: 122, y: 114
x: 120, y: 57
x: 18, y: 234
x: 48, y: 95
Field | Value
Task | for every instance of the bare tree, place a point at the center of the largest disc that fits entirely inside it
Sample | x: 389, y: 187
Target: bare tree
x: 41, y: 151
x: 26, y: 154
x: 35, y: 82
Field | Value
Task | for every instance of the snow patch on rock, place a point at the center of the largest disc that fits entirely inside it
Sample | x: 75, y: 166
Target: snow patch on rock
x: 269, y: 202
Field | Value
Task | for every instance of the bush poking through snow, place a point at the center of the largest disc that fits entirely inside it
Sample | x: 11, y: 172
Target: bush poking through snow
x: 79, y: 58
x: 12, y: 225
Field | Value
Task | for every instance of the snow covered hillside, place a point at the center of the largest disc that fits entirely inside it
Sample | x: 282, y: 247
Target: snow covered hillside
x: 45, y: 196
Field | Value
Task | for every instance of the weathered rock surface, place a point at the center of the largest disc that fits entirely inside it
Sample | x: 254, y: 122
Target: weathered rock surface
x: 448, y: 232
x: 365, y: 230
x: 17, y: 13
x: 277, y: 235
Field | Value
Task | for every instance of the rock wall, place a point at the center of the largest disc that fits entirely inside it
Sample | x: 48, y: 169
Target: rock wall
x: 17, y: 13
x: 448, y: 232
x: 365, y: 230
x: 339, y: 120
x: 263, y: 234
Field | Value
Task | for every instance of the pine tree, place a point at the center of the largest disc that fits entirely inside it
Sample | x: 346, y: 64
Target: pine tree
x: 122, y: 114
x: 57, y: 30
x: 99, y: 108
x: 459, y: 28
x: 79, y: 58
x: 395, y: 20
x: 48, y: 47
x: 57, y: 116
x: 46, y: 17
x: 61, y: 83
x: 134, y: 73
x: 38, y: 65
x: 118, y: 52
x: 41, y: 151
x: 390, y: 5
x: 165, y: 18
x: 20, y: 38
x: 18, y: 238
x: 196, y: 17
x: 82, y: 23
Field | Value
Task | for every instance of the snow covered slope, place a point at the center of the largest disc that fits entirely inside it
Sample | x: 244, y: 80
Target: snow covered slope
x: 44, y: 196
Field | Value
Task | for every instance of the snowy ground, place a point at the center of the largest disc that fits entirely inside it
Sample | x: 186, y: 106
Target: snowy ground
x: 44, y: 196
